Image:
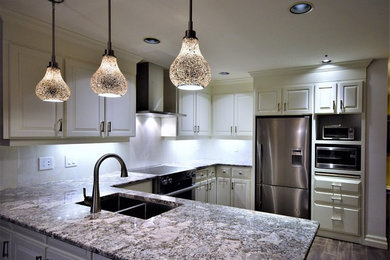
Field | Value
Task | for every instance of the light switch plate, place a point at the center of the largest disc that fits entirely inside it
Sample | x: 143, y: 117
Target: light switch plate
x: 45, y: 163
x: 70, y: 161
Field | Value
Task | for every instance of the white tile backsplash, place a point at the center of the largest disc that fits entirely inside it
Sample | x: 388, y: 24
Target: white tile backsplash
x: 19, y: 165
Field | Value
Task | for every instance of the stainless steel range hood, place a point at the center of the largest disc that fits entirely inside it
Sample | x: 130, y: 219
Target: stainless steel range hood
x: 156, y: 95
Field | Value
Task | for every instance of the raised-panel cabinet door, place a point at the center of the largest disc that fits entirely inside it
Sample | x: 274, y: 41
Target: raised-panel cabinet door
x: 350, y: 97
x: 23, y: 248
x: 212, y: 191
x: 203, y: 112
x: 84, y: 109
x: 223, y: 191
x: 59, y: 255
x: 243, y: 116
x: 297, y: 100
x: 325, y: 98
x: 187, y: 106
x: 28, y: 115
x: 201, y: 192
x: 120, y: 112
x: 240, y: 193
x: 223, y: 114
x: 269, y: 102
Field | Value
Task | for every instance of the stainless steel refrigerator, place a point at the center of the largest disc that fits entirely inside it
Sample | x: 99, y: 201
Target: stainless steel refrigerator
x: 283, y: 165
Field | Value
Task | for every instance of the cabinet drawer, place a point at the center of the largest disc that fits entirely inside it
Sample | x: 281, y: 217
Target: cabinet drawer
x: 201, y: 175
x: 211, y: 172
x: 337, y: 185
x: 224, y: 171
x: 339, y: 200
x: 241, y: 172
x: 337, y: 219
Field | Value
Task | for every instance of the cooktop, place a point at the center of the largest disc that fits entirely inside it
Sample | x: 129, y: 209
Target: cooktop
x: 160, y: 170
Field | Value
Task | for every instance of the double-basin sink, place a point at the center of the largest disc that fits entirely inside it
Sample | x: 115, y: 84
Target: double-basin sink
x: 138, y: 208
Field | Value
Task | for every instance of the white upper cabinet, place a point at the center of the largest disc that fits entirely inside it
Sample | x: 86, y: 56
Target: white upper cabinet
x: 291, y: 100
x: 269, y: 101
x: 197, y: 107
x: 341, y: 97
x: 120, y: 112
x: 350, y: 97
x: 88, y: 115
x: 233, y: 114
x: 325, y: 97
x: 28, y: 116
x: 223, y: 114
x: 84, y: 109
x: 297, y: 100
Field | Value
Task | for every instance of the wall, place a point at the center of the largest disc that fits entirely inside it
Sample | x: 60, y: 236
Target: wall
x: 376, y: 125
x: 19, y: 165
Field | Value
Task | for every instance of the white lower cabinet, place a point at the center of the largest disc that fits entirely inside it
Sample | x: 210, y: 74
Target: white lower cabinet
x: 337, y: 204
x: 233, y: 186
x: 24, y: 248
x: 206, y: 190
x: 19, y: 243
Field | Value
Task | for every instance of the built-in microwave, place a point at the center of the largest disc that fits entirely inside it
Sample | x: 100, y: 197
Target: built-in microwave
x: 338, y: 132
x: 342, y: 157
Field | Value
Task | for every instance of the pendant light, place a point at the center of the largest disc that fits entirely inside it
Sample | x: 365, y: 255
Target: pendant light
x: 190, y: 70
x: 52, y: 87
x: 108, y: 80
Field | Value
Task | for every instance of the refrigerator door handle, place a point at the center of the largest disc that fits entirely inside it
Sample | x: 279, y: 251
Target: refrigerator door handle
x: 259, y: 164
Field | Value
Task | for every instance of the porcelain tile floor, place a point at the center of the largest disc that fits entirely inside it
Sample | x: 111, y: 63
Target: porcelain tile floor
x: 331, y: 249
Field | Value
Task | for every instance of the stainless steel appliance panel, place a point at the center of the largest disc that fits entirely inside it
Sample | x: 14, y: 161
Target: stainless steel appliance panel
x: 285, y: 201
x: 283, y: 151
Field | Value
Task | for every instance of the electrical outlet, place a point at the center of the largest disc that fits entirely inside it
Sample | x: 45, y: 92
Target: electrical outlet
x: 70, y: 161
x: 45, y: 163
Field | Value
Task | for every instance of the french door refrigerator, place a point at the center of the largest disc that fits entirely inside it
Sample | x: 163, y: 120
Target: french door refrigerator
x: 283, y: 165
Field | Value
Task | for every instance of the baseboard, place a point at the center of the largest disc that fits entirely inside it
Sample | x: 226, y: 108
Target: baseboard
x: 375, y: 241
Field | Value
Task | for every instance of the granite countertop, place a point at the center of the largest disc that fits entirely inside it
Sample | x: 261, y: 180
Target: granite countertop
x: 192, y: 230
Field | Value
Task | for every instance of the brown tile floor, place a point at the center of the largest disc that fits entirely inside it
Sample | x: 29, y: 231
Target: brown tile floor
x: 326, y: 248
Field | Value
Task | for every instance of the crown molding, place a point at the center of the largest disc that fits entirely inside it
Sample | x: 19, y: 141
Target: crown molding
x: 221, y: 82
x: 314, y: 68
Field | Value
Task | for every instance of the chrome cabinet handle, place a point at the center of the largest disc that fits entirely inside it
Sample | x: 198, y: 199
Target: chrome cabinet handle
x: 285, y: 105
x: 102, y: 126
x: 341, y: 105
x: 278, y: 107
x: 334, y: 105
x: 337, y: 185
x: 336, y: 198
x: 232, y: 185
x: 5, y: 248
x: 109, y: 125
x: 336, y: 219
x: 194, y: 129
x: 60, y: 125
x: 231, y: 130
x: 198, y: 129
x: 235, y: 129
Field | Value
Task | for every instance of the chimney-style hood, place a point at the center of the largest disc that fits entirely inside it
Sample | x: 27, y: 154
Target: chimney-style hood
x: 156, y: 95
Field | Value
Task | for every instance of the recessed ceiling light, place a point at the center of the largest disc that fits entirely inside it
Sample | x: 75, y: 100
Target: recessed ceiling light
x: 224, y: 73
x: 326, y: 60
x: 301, y: 8
x: 151, y: 40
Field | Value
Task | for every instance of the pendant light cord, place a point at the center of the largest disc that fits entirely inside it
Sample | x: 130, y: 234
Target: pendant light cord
x: 190, y: 33
x: 190, y: 17
x: 109, y: 45
x: 53, y: 43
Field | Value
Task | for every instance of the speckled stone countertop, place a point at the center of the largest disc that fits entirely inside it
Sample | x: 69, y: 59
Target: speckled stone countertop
x: 191, y: 231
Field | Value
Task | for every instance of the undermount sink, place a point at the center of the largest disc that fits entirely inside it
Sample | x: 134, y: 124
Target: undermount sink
x: 131, y: 207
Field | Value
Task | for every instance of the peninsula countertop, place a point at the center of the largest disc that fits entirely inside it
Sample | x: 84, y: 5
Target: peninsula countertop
x: 192, y: 230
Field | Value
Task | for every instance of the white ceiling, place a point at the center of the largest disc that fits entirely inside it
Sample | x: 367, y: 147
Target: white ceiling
x: 235, y: 35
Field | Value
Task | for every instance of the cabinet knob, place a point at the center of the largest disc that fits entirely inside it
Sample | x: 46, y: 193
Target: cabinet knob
x: 240, y: 173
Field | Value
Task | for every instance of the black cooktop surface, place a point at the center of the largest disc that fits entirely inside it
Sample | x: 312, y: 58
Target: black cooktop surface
x: 160, y: 170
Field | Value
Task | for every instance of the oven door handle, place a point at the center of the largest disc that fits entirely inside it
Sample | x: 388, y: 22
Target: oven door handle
x: 182, y: 190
